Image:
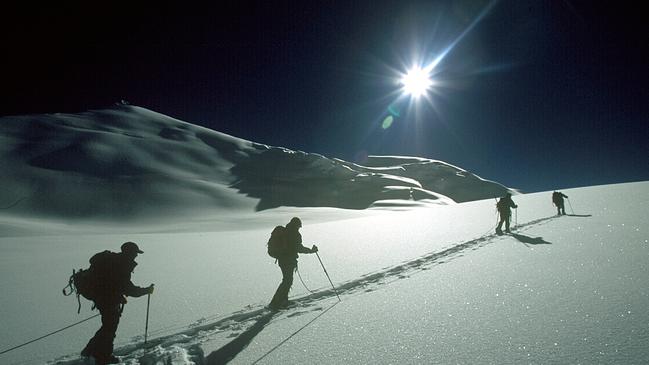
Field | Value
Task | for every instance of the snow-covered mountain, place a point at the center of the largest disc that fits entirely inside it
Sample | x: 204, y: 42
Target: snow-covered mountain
x: 422, y: 280
x: 127, y: 162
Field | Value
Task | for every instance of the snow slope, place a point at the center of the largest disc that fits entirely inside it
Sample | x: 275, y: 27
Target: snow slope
x: 425, y: 285
x: 128, y: 162
x: 422, y: 279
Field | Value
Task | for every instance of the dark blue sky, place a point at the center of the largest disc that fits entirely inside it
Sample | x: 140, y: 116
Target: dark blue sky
x: 539, y: 95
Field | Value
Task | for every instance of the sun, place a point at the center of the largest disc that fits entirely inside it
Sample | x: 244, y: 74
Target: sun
x: 416, y: 82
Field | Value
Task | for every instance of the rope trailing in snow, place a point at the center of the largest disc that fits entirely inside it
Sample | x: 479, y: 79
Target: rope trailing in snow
x: 49, y: 334
x: 305, y: 287
x: 293, y: 334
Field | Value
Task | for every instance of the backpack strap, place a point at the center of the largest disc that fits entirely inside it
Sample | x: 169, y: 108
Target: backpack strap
x: 71, y: 289
x: 70, y: 285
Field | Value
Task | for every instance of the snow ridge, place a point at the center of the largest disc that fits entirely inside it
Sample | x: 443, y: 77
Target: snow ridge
x: 128, y: 162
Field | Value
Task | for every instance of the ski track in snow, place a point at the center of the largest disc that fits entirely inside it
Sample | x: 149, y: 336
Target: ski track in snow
x: 184, y: 345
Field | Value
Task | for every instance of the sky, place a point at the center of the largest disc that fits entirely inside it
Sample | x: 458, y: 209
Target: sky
x: 534, y: 95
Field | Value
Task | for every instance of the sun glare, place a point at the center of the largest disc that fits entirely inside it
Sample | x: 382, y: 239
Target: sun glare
x: 416, y: 82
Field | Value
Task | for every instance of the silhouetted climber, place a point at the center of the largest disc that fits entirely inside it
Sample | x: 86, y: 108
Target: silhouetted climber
x: 504, y: 206
x: 557, y: 199
x: 286, y: 243
x: 112, y: 282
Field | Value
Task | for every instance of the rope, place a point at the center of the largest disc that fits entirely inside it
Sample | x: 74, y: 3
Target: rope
x: 305, y: 287
x: 489, y: 232
x: 49, y: 334
x: 294, y: 333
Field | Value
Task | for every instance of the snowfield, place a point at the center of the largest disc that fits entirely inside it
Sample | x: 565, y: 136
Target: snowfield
x: 422, y: 278
x: 428, y: 285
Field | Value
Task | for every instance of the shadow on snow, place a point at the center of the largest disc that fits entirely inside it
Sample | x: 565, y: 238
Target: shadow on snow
x: 234, y: 347
x: 530, y: 240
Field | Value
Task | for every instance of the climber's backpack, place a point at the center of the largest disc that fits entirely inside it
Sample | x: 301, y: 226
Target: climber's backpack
x: 87, y: 282
x: 277, y: 246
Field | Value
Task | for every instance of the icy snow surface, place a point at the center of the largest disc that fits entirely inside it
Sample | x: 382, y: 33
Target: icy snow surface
x: 426, y: 285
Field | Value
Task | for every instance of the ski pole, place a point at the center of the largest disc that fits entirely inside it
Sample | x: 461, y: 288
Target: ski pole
x: 146, y: 326
x: 326, y: 273
x: 572, y: 210
x: 497, y: 213
x: 516, y: 217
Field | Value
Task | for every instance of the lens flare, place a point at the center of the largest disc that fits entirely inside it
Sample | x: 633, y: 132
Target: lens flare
x: 394, y: 111
x: 387, y: 122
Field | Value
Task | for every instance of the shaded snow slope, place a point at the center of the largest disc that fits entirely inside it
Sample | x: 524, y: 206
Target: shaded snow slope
x: 429, y: 285
x: 120, y: 162
x: 128, y: 161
